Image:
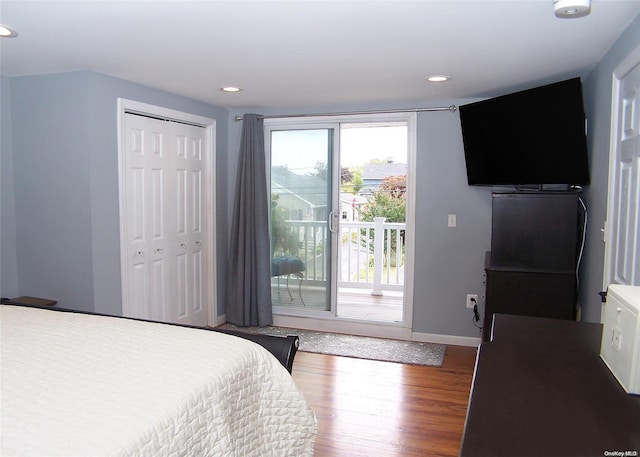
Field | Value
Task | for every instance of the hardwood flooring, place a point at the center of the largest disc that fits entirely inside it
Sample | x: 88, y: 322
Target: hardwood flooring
x: 382, y: 409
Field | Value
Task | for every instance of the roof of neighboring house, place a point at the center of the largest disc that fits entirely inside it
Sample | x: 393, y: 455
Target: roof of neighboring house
x: 382, y: 170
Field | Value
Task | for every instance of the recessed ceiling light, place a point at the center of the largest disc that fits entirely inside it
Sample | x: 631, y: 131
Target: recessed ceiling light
x: 437, y: 78
x: 230, y: 89
x: 567, y: 9
x: 7, y: 32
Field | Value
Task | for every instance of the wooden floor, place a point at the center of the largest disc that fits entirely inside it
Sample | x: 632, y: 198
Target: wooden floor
x: 382, y: 409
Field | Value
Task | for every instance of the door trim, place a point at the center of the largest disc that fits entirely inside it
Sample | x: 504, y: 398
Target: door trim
x: 124, y: 106
x: 623, y: 68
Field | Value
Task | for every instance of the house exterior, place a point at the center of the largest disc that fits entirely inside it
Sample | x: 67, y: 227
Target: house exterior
x: 374, y: 173
x: 350, y: 206
x: 303, y: 197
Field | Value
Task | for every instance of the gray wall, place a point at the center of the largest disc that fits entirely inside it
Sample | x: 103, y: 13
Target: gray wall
x: 51, y: 185
x: 597, y: 91
x: 8, y: 270
x: 65, y: 172
x: 451, y: 260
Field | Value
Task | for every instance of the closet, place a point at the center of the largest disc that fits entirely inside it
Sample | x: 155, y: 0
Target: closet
x: 165, y: 229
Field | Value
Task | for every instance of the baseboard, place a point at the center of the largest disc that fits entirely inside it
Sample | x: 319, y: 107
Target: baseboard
x: 221, y: 320
x: 453, y: 340
x: 343, y: 326
x: 399, y: 333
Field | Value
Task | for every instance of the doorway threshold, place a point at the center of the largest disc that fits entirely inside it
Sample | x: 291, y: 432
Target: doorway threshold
x: 329, y: 323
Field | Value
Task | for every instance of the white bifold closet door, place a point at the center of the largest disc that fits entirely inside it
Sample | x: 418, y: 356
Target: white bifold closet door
x: 164, y: 167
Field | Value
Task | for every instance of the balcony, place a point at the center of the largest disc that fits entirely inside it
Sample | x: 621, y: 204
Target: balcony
x: 370, y: 270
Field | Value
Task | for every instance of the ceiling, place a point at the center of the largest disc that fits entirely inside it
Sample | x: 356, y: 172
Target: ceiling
x: 300, y: 53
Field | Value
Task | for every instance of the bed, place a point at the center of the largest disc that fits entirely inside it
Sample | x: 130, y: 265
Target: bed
x: 75, y: 384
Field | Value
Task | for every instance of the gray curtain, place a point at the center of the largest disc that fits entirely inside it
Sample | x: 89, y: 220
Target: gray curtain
x: 249, y: 274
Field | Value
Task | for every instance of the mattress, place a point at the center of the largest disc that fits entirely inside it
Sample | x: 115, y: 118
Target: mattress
x: 85, y: 385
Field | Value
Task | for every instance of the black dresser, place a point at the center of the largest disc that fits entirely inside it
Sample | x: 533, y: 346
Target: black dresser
x: 540, y: 389
x: 531, y: 268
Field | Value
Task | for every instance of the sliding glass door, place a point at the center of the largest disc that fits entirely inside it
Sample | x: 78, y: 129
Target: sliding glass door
x: 302, y: 219
x: 340, y: 193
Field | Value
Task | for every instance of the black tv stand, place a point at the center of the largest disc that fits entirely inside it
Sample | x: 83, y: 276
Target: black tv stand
x: 528, y: 188
x: 535, y: 244
x: 552, y: 189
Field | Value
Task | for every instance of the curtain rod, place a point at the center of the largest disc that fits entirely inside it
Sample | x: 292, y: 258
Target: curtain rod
x: 451, y: 108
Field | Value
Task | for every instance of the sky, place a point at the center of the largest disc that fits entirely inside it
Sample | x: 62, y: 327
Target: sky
x: 300, y: 150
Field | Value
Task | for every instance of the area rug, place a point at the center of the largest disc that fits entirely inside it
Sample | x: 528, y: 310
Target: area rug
x: 410, y: 352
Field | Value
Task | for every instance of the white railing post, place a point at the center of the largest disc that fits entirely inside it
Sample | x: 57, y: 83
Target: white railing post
x: 378, y: 254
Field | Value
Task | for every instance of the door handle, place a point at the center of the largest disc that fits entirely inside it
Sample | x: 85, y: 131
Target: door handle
x: 603, y: 295
x: 333, y: 222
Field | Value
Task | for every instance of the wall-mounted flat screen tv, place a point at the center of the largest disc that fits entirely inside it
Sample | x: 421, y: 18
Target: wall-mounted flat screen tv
x: 528, y: 138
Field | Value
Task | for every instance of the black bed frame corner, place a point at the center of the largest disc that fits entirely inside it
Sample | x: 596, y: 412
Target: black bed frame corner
x: 284, y: 348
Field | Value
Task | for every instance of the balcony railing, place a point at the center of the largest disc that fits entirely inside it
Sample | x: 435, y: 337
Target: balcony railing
x: 371, y: 254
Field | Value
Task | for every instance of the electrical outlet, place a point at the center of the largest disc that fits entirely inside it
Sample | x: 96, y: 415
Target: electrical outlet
x: 472, y: 300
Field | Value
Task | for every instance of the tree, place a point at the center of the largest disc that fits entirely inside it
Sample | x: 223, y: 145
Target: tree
x: 395, y: 185
x: 345, y: 175
x: 383, y: 204
x: 351, y: 180
x: 390, y: 202
x: 284, y: 239
x: 320, y: 170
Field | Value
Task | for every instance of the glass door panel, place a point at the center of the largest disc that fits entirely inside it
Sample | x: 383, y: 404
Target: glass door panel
x: 301, y: 202
x: 373, y: 207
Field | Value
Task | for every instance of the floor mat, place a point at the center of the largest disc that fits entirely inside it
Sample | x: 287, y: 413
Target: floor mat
x: 411, y: 352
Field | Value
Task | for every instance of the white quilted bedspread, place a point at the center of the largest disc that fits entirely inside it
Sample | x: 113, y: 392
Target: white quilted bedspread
x: 82, y: 385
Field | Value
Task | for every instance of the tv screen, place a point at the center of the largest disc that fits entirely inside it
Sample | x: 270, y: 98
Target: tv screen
x: 532, y: 137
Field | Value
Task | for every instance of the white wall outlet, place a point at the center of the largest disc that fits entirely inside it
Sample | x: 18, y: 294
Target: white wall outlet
x: 470, y: 300
x: 452, y: 220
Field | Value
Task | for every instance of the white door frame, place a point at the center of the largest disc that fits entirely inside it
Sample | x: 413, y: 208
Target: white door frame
x: 331, y: 323
x: 125, y: 105
x: 628, y: 64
